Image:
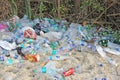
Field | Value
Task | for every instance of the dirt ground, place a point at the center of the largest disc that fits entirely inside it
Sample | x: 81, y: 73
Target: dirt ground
x: 90, y: 68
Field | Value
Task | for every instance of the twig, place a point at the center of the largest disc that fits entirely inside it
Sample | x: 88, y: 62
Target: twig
x: 117, y: 14
x: 114, y: 22
x: 103, y: 12
x: 99, y: 22
x: 89, y: 14
x: 49, y: 15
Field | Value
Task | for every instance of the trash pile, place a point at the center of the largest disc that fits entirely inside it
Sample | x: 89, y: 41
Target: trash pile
x: 24, y: 39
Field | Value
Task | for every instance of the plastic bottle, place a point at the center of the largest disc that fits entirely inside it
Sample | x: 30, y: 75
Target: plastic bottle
x: 83, y: 43
x: 66, y: 48
x: 27, y: 50
x: 113, y: 46
x: 92, y: 47
x: 6, y: 35
x: 101, y: 51
x: 26, y: 22
x: 112, y: 51
x: 58, y: 57
x: 14, y: 54
x: 112, y: 61
x: 20, y: 40
x: 104, y: 79
x: 54, y: 45
x: 1, y: 58
x: 11, y: 27
x: 6, y: 45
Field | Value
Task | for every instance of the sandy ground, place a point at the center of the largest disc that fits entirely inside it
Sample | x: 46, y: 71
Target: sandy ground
x: 89, y: 70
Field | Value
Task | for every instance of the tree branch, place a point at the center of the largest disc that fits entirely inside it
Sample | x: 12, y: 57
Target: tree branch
x: 103, y: 12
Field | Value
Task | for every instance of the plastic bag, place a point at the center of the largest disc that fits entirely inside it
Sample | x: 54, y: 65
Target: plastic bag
x: 29, y: 33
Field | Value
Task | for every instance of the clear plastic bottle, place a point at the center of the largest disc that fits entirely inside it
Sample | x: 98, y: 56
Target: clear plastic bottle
x: 113, y: 46
x: 27, y: 50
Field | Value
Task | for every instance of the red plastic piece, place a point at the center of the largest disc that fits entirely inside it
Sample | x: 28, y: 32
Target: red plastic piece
x: 30, y: 34
x: 69, y: 72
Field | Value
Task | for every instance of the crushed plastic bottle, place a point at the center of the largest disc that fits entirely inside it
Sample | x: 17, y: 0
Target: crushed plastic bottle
x: 6, y: 45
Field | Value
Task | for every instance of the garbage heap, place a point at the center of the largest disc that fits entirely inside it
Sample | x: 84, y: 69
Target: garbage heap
x: 24, y: 39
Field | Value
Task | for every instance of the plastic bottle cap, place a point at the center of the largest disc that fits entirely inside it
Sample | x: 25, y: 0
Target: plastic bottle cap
x: 54, y: 52
x: 9, y: 62
x: 22, y: 45
x: 43, y: 69
x: 101, y: 65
